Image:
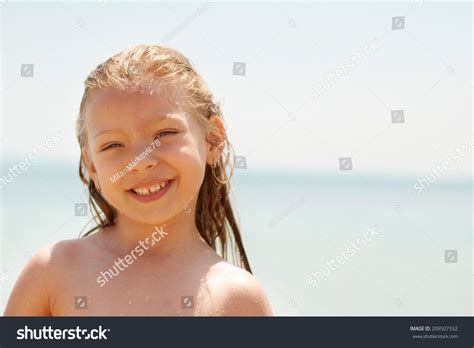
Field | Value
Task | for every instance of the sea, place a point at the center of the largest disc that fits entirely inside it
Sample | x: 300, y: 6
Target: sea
x: 321, y: 244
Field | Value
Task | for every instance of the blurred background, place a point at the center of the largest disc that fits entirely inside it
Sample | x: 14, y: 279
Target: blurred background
x: 345, y: 117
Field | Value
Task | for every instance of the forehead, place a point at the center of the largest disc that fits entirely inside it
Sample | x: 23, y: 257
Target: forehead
x: 134, y: 105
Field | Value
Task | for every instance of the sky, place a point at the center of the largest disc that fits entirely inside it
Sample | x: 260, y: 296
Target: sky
x: 273, y: 116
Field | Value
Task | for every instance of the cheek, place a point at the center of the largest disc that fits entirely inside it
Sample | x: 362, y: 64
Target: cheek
x: 189, y: 163
x: 186, y: 154
x: 108, y: 165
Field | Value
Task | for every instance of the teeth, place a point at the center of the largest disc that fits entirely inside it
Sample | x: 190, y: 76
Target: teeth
x: 150, y: 190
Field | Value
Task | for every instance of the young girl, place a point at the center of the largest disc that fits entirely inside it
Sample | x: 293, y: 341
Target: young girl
x: 152, y: 155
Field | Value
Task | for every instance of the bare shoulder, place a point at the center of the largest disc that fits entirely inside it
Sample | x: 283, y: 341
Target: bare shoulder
x: 60, y: 255
x: 34, y: 289
x: 238, y: 292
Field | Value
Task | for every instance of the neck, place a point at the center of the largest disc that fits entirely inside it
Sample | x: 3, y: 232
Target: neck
x: 173, y: 238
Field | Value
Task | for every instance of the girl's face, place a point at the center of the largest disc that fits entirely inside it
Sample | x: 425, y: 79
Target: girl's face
x: 137, y: 140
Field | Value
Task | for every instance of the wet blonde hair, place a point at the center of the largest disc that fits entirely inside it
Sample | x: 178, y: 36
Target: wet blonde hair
x: 145, y: 65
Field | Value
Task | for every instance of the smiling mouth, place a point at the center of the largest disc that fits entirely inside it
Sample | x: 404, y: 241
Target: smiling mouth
x: 151, y: 190
x: 152, y: 193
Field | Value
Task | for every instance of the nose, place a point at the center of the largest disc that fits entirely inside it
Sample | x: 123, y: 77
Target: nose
x: 146, y: 157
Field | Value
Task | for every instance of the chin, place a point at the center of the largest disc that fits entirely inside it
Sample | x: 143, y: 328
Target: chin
x: 157, y: 217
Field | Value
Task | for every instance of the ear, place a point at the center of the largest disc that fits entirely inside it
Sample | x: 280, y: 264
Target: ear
x: 216, y: 137
x: 92, y: 172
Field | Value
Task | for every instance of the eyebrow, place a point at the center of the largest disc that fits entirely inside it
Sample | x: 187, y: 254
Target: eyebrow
x: 106, y: 131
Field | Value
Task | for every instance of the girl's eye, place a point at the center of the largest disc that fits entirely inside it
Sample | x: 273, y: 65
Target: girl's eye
x: 110, y: 146
x: 164, y: 133
x: 113, y: 145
